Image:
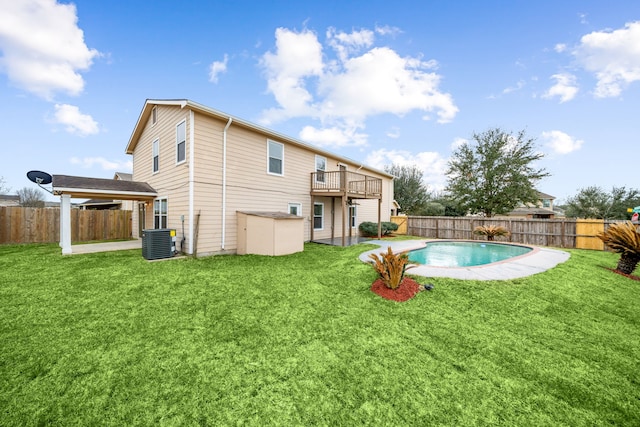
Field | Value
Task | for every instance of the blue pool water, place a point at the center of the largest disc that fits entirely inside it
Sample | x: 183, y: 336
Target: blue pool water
x: 464, y: 254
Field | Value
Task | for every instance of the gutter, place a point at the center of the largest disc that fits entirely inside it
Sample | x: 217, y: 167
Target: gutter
x: 224, y: 183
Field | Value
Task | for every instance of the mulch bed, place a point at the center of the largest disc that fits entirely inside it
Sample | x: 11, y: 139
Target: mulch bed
x: 408, y: 289
x: 630, y: 276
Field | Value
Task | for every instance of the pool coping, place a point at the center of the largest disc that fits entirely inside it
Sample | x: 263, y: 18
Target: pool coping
x: 540, y: 259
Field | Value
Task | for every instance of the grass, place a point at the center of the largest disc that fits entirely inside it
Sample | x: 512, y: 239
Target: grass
x: 111, y: 339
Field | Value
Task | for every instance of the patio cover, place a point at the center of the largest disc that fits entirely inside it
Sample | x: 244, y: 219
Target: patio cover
x: 67, y: 186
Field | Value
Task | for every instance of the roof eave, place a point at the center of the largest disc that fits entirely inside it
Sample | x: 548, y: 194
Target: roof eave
x: 92, y: 192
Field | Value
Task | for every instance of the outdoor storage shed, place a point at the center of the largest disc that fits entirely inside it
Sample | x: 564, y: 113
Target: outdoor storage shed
x: 270, y: 233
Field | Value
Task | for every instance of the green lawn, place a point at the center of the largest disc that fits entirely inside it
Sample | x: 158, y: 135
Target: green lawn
x: 111, y: 339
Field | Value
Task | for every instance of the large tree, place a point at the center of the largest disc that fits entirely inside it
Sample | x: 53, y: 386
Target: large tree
x: 594, y: 202
x: 496, y: 173
x: 409, y: 191
x: 31, y: 197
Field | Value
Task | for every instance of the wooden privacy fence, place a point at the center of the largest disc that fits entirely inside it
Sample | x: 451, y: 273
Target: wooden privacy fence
x: 42, y: 225
x: 563, y: 233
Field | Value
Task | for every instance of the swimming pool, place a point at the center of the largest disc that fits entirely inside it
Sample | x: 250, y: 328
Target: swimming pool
x: 464, y: 254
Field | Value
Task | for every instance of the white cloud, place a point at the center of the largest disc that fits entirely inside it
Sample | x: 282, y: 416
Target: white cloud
x: 515, y: 88
x: 560, y: 142
x: 565, y: 87
x: 89, y: 162
x: 361, y: 81
x: 458, y: 142
x: 333, y: 136
x: 43, y: 48
x: 387, y: 30
x: 432, y: 165
x: 74, y: 121
x: 560, y: 47
x: 393, y: 133
x: 298, y: 56
x: 614, y: 57
x: 218, y: 67
x: 348, y: 43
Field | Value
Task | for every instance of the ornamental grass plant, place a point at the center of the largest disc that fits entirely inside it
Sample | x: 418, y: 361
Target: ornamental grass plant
x: 623, y: 238
x: 491, y: 231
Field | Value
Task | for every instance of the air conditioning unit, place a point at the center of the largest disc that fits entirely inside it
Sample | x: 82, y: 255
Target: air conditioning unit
x: 158, y: 243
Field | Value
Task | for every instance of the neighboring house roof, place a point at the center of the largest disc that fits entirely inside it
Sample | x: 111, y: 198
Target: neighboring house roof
x: 530, y: 211
x: 542, y: 195
x: 185, y: 103
x: 123, y: 176
x: 78, y: 186
x: 9, y: 200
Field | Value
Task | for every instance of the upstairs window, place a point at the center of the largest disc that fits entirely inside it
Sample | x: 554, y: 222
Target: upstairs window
x: 156, y: 155
x: 321, y: 167
x: 181, y: 142
x: 275, y: 159
x: 154, y: 115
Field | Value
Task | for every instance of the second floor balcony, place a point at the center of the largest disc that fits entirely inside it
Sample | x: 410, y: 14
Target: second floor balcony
x: 345, y: 183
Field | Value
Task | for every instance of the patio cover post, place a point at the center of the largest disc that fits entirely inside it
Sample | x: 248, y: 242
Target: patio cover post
x: 65, y: 223
x: 379, y: 218
x: 313, y: 212
x: 344, y: 214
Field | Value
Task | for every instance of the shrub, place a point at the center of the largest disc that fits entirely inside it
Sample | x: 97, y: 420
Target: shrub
x: 624, y: 239
x: 390, y: 267
x: 371, y: 228
x: 491, y: 231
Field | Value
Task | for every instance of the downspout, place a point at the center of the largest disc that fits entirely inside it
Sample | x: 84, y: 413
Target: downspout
x: 224, y: 183
x: 192, y: 168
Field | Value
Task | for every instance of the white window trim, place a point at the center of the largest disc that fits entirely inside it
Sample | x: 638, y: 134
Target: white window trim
x: 313, y: 216
x: 178, y: 142
x: 324, y: 178
x: 159, y: 200
x: 154, y: 144
x: 269, y: 141
x: 296, y: 204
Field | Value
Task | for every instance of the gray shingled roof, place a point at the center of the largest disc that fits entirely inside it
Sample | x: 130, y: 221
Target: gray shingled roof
x: 115, y: 185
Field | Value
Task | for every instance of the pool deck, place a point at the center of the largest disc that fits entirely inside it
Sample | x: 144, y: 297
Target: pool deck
x: 536, y: 261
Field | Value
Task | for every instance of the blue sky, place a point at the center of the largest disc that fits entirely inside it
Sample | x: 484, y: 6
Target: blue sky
x: 377, y: 81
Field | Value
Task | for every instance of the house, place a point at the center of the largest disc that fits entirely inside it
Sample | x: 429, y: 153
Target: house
x: 208, y: 168
x: 542, y: 209
x: 9, y: 200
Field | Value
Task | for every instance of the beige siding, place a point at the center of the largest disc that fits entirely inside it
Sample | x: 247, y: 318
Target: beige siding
x: 208, y: 183
x: 172, y: 179
x: 249, y: 186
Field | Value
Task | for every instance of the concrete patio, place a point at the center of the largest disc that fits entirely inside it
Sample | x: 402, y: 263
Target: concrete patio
x: 91, y: 248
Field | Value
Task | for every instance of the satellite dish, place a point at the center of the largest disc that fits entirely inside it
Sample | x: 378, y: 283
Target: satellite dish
x: 39, y: 177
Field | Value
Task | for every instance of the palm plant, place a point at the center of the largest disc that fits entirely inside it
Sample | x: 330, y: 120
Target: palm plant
x: 491, y: 231
x: 623, y: 238
x: 391, y: 267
